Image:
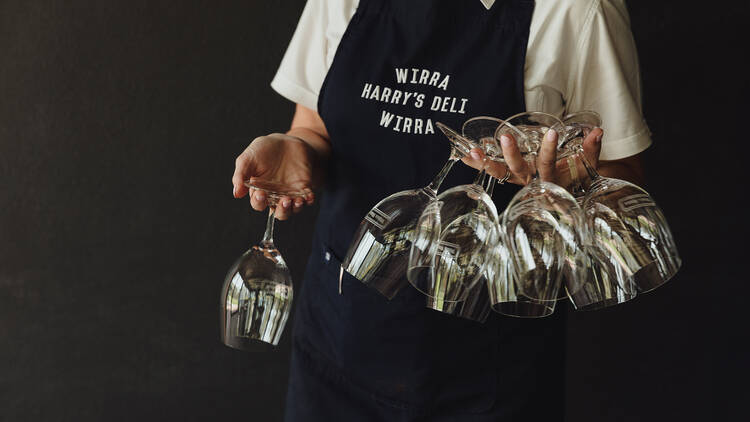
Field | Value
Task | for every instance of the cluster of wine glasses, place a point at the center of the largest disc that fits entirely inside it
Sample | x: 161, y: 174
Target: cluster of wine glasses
x: 598, y: 243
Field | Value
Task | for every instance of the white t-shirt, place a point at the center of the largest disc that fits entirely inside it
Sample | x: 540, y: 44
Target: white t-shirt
x: 580, y: 56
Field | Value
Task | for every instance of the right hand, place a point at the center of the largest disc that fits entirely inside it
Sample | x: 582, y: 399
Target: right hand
x: 277, y: 157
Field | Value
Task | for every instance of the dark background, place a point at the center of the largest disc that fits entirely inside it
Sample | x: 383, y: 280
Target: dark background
x: 119, y: 125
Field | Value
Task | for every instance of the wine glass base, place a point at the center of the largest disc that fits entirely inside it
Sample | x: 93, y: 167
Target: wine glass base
x: 276, y: 190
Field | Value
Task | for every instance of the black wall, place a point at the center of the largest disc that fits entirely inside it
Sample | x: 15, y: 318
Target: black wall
x: 119, y: 124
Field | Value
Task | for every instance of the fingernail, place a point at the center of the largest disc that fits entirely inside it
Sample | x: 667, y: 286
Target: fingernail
x: 260, y: 196
x: 285, y: 203
x: 234, y: 191
x: 298, y: 203
x: 551, y: 134
x: 505, y: 140
x: 474, y: 155
x: 598, y: 138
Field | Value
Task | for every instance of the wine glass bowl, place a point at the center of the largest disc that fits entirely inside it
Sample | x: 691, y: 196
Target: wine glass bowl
x: 460, y: 258
x: 626, y: 227
x: 447, y: 262
x: 379, y: 254
x: 631, y: 233
x: 256, y: 299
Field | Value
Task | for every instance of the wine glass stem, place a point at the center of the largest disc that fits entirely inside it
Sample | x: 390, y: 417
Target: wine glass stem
x: 268, y: 235
x: 531, y: 162
x: 590, y: 170
x: 438, y: 180
x: 491, y: 186
x: 480, y: 176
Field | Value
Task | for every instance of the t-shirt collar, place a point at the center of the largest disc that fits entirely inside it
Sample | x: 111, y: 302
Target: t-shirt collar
x: 487, y: 3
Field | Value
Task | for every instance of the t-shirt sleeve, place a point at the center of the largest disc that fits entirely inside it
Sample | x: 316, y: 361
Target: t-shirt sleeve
x: 305, y: 65
x: 605, y: 78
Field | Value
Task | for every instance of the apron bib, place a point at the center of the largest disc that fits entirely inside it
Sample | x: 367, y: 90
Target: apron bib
x: 400, y: 67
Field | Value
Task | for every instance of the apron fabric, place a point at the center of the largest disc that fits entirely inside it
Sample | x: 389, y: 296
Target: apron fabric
x: 357, y: 356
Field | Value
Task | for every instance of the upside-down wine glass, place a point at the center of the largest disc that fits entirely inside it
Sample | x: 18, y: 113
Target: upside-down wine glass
x: 256, y: 297
x: 542, y: 222
x: 499, y: 275
x: 476, y: 306
x: 447, y: 256
x: 499, y: 290
x: 628, y: 230
x: 471, y: 304
x: 601, y: 287
x: 379, y: 253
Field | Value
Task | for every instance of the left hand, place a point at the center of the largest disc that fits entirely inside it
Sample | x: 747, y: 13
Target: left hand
x: 549, y: 169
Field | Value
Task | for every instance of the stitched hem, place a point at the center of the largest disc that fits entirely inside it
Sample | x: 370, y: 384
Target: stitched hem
x: 294, y: 92
x: 625, y: 147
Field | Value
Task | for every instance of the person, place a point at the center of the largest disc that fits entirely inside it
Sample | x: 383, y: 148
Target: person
x: 370, y: 79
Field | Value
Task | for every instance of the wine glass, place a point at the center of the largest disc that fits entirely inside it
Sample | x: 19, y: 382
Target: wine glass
x: 379, y: 254
x: 446, y: 258
x: 542, y: 222
x: 482, y: 128
x: 602, y: 286
x: 627, y: 229
x: 459, y: 259
x: 424, y: 247
x: 439, y: 270
x: 256, y: 297
x: 498, y: 276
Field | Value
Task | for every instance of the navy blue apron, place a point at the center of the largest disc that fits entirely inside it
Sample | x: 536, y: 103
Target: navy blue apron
x: 401, y: 66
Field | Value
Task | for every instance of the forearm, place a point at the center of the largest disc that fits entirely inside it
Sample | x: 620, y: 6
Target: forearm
x: 308, y: 126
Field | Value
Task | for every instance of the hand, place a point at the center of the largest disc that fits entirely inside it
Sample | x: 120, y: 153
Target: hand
x: 277, y: 157
x: 549, y: 168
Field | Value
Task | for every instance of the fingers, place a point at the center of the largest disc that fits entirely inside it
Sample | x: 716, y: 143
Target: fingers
x: 514, y: 160
x: 309, y: 198
x: 475, y: 159
x: 592, y: 146
x: 283, y: 208
x: 258, y: 200
x: 297, y: 205
x: 547, y: 155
